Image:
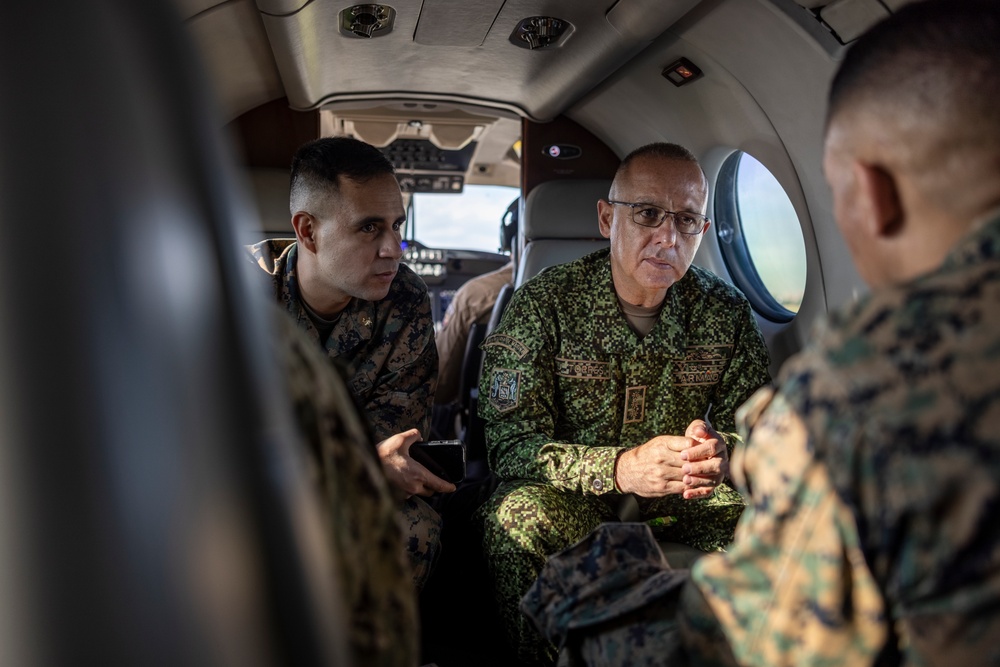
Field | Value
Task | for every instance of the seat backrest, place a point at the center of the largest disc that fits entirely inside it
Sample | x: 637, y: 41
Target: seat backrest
x: 559, y: 224
x: 503, y: 298
x: 472, y: 361
x: 170, y: 460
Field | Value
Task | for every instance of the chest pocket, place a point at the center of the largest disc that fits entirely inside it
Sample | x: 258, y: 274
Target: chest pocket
x: 585, y: 390
x: 701, y: 365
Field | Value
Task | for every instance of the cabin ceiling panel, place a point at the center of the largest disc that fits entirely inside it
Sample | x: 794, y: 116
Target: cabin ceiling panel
x: 237, y: 54
x: 189, y: 8
x: 470, y: 59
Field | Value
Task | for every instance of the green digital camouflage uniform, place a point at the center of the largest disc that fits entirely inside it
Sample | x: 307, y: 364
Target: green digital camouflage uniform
x: 567, y: 386
x: 871, y: 534
x: 387, y: 352
x: 373, y: 575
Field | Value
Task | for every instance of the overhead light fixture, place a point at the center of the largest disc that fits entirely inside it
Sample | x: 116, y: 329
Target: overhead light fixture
x: 537, y: 32
x: 681, y: 72
x: 367, y: 21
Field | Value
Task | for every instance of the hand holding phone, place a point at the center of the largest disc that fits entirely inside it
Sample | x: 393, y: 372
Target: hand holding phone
x: 444, y: 458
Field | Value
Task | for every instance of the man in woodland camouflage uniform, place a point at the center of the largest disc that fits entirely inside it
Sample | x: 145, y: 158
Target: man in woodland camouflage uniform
x: 342, y: 281
x: 596, y: 380
x: 373, y: 575
x: 873, y: 472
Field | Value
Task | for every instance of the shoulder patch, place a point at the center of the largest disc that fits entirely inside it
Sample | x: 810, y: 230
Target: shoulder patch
x: 505, y: 389
x: 509, y: 342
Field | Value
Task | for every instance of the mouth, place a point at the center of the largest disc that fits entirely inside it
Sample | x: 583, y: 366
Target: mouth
x: 659, y: 264
x: 387, y: 275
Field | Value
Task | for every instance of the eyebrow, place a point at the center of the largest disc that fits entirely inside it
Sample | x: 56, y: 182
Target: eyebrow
x: 375, y: 219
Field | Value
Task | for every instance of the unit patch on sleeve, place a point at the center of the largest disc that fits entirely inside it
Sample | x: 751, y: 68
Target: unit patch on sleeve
x: 504, y: 389
x: 508, y: 342
x: 701, y: 364
x: 582, y: 369
x: 635, y: 404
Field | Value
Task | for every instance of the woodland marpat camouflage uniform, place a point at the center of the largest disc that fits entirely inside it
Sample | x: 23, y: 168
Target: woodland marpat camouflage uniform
x: 387, y: 353
x: 875, y: 474
x: 373, y: 575
x: 871, y: 534
x: 567, y: 386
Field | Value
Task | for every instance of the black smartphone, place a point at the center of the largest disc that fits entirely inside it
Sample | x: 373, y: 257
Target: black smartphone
x: 444, y: 458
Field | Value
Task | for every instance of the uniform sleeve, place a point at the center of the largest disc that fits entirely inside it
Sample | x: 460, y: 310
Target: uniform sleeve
x: 793, y: 588
x: 747, y: 372
x: 403, y: 395
x: 517, y: 403
x: 368, y: 561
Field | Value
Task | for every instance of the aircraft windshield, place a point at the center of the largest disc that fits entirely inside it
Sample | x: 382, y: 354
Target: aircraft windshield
x: 469, y: 220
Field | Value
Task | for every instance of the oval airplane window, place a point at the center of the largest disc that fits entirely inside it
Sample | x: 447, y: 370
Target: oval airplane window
x: 760, y: 237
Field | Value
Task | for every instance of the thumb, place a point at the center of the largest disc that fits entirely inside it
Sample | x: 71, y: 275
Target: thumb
x: 697, y: 430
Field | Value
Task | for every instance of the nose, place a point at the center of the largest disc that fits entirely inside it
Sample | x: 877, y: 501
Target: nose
x: 391, y: 244
x: 666, y: 234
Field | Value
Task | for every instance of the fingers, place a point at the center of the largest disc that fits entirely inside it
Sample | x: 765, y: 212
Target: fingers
x: 434, y: 484
x: 706, y: 449
x: 701, y: 492
x: 697, y: 430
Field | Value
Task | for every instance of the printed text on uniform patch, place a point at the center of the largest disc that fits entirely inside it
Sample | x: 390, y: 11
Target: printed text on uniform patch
x: 701, y: 364
x: 581, y: 369
x: 509, y: 342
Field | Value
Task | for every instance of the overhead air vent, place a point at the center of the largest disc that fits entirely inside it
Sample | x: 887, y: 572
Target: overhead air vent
x: 367, y: 21
x: 538, y: 32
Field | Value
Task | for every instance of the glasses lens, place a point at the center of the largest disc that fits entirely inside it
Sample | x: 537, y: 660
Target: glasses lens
x: 689, y: 223
x: 648, y: 216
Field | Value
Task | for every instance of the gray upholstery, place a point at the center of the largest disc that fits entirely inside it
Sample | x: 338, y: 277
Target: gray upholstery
x: 560, y: 224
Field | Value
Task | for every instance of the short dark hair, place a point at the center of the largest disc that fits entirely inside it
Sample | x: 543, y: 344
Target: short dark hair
x: 923, y: 55
x: 317, y: 166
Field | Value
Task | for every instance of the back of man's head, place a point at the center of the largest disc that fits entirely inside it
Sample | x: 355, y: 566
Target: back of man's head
x: 318, y: 165
x: 919, y: 92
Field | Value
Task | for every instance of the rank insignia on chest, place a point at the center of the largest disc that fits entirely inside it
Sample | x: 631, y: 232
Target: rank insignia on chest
x: 504, y: 389
x: 635, y: 404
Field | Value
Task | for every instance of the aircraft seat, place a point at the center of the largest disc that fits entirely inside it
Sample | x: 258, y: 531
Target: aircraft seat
x: 559, y: 224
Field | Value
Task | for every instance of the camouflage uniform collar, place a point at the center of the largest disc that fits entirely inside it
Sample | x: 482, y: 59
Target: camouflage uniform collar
x: 356, y: 322
x: 981, y: 244
x: 667, y: 333
x: 356, y: 325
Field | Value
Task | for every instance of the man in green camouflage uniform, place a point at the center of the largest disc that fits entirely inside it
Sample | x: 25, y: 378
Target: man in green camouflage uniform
x: 373, y: 575
x: 596, y: 379
x: 342, y: 281
x: 871, y: 534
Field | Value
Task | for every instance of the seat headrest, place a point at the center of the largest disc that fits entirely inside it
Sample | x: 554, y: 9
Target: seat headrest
x: 564, y: 209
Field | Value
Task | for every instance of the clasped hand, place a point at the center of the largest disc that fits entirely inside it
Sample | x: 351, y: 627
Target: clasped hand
x: 692, y: 464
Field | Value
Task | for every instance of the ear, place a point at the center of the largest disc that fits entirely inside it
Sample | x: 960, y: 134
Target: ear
x: 605, y: 212
x: 880, y: 195
x: 305, y: 230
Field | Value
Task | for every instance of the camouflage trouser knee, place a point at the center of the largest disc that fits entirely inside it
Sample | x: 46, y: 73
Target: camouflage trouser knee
x: 422, y: 532
x: 524, y: 523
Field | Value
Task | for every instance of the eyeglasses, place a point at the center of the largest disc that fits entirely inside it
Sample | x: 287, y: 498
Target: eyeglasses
x: 649, y: 215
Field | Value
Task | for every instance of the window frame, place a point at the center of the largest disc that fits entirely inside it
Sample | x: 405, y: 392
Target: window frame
x: 735, y: 252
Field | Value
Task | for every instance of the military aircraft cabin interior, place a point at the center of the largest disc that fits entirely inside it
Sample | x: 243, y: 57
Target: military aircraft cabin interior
x: 490, y: 110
